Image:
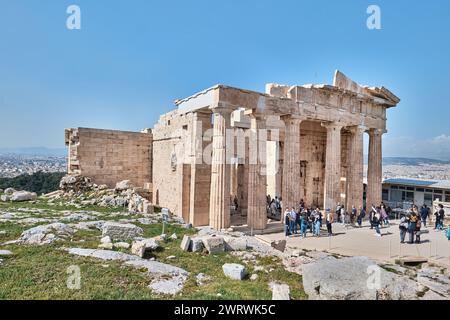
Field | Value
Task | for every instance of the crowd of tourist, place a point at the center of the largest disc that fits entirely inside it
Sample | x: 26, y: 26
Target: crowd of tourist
x: 304, y: 219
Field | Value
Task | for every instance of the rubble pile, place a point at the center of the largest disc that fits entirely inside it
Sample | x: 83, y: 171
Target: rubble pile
x: 79, y: 190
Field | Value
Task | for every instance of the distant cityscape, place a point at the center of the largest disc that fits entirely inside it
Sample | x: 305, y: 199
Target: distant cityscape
x: 13, y: 164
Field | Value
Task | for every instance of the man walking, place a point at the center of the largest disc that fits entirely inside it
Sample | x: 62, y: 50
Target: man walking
x: 424, y: 214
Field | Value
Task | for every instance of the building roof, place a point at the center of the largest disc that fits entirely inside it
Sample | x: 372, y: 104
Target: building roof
x: 442, y: 184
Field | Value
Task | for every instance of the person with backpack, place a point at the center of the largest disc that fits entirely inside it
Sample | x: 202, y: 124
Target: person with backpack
x: 353, y: 215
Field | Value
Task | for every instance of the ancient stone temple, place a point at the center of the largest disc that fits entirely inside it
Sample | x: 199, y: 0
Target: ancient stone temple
x: 216, y: 157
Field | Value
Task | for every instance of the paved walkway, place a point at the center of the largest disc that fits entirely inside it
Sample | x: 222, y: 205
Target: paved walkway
x: 353, y: 241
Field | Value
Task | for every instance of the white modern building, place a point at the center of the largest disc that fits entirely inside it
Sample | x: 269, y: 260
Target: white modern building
x: 402, y: 192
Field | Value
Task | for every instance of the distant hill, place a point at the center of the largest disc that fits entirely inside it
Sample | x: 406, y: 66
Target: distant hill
x: 35, y: 151
x: 411, y: 161
x: 406, y: 161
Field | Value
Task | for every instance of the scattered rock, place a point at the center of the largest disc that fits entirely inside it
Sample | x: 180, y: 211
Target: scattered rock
x: 121, y: 245
x: 197, y: 244
x: 124, y: 185
x: 121, y: 231
x: 201, y: 279
x: 106, y: 239
x: 168, y: 286
x: 435, y: 280
x: 235, y: 244
x: 108, y: 246
x: 280, y: 291
x: 234, y: 271
x: 140, y: 247
x: 5, y: 198
x: 19, y: 196
x: 214, y: 245
x: 254, y: 277
x: 279, y: 245
x: 146, y: 221
x: 171, y: 257
x: 103, y: 254
x: 41, y: 235
x: 354, y: 278
x: 5, y: 253
x: 185, y: 243
x: 9, y: 191
x: 173, y: 236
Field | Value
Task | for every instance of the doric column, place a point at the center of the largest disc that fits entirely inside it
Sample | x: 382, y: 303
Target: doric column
x: 291, y: 163
x: 219, y: 208
x: 374, y: 172
x: 257, y: 183
x: 332, y: 166
x: 355, y: 184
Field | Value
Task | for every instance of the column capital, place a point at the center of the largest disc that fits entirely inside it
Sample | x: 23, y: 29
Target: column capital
x: 222, y: 108
x: 357, y: 129
x: 293, y: 119
x: 376, y: 132
x: 332, y: 125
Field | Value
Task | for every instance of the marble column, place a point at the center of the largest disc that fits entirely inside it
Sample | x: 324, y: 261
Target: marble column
x: 291, y: 163
x: 257, y: 176
x: 374, y: 172
x: 332, y: 166
x: 355, y: 169
x: 219, y: 208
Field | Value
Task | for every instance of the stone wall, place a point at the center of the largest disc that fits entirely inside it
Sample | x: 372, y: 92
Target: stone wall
x: 109, y: 156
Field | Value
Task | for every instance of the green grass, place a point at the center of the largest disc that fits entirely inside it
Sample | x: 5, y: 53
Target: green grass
x: 40, y: 272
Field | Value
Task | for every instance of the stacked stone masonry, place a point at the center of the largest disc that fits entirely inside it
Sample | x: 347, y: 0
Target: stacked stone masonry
x: 226, y: 145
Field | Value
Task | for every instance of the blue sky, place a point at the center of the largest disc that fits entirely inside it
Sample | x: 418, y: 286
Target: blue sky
x: 131, y: 59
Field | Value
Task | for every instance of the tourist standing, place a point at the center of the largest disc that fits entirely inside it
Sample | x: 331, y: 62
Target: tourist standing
x: 361, y: 215
x: 384, y: 215
x: 440, y: 214
x: 293, y: 220
x: 353, y: 215
x: 317, y: 222
x: 343, y: 214
x: 304, y: 223
x: 413, y: 218
x: 287, y: 221
x: 376, y: 221
x: 329, y: 221
x: 424, y: 212
x: 403, y: 226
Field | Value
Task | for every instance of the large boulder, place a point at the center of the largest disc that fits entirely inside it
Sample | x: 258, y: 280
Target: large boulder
x: 75, y: 183
x: 185, y: 243
x: 9, y: 191
x: 280, y: 291
x: 214, y: 244
x: 197, y: 244
x: 44, y: 234
x: 234, y: 271
x: 19, y: 196
x: 434, y: 279
x: 140, y: 247
x: 121, y: 231
x: 124, y: 185
x: 355, y: 278
x: 235, y: 243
